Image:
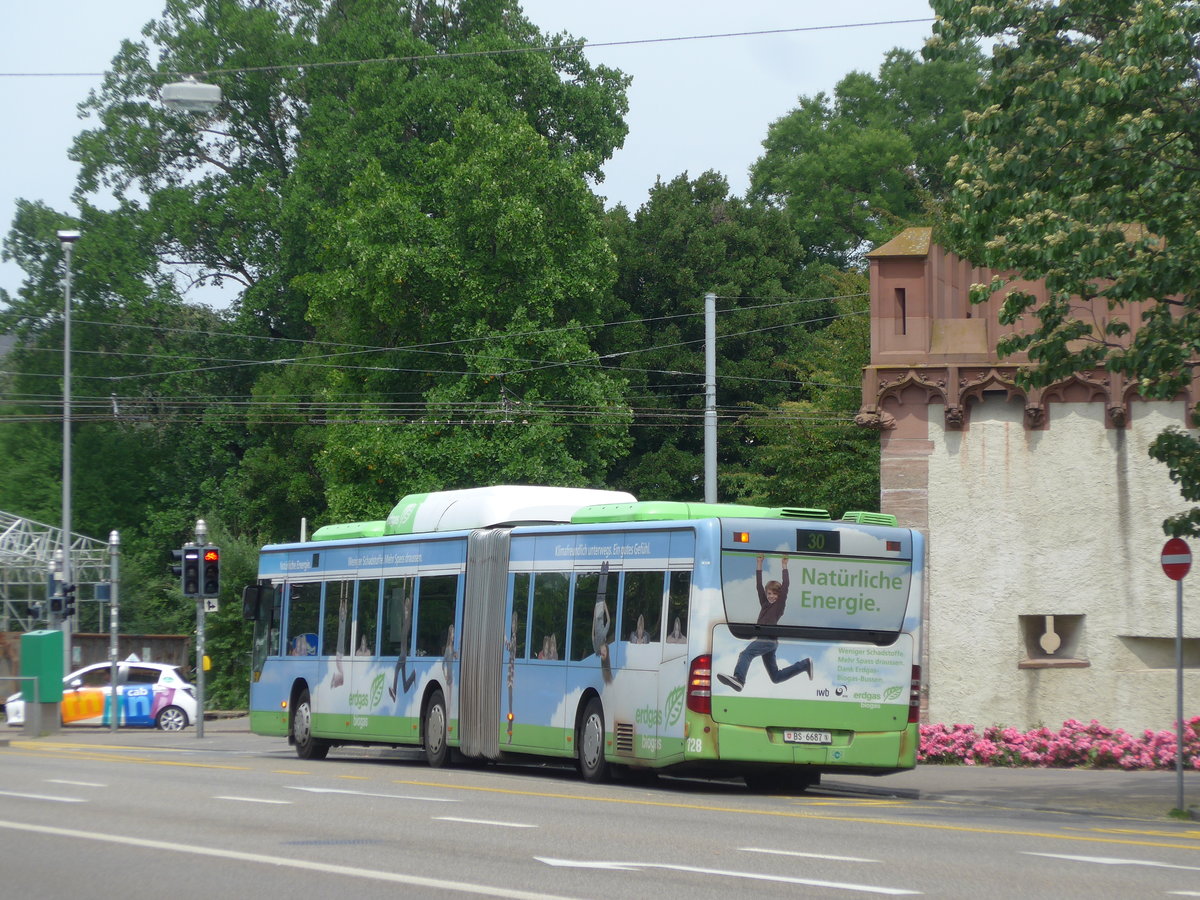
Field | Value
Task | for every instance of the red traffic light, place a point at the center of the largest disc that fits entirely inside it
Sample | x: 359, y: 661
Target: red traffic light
x: 212, y: 554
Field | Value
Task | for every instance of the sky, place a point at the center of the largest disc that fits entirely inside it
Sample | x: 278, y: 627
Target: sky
x: 695, y: 105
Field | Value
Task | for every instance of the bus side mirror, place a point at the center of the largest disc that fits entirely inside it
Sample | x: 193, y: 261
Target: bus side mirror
x: 252, y: 597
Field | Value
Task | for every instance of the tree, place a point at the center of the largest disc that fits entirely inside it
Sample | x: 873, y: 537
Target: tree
x: 689, y: 238
x: 852, y: 171
x: 808, y: 451
x: 437, y: 193
x: 1080, y: 169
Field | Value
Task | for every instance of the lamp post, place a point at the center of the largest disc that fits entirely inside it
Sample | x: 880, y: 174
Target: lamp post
x: 67, y: 239
x: 190, y: 95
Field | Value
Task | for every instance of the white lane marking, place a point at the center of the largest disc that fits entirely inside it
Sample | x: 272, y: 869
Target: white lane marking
x: 442, y: 884
x: 807, y: 855
x: 756, y: 876
x: 42, y: 797
x: 1113, y: 861
x: 484, y: 822
x: 76, y: 783
x: 255, y: 800
x: 317, y: 790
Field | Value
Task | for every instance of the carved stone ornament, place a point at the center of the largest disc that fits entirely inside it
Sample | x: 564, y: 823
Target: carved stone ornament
x: 876, y: 419
x: 1034, y: 416
x: 1117, y: 415
x: 954, y: 417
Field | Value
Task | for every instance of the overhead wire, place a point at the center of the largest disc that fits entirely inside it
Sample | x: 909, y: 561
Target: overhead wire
x: 467, y: 54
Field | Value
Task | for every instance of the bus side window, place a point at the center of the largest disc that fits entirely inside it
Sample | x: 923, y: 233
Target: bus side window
x: 586, y: 621
x: 678, y: 592
x: 436, y: 595
x: 368, y: 616
x: 335, y: 626
x: 641, y: 605
x: 266, y: 629
x: 303, y: 618
x: 549, y: 614
x: 397, y: 616
x: 520, y: 614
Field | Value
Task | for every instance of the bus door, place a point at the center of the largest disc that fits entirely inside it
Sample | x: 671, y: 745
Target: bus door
x: 672, y: 681
x: 367, y: 679
x: 332, y: 697
x: 639, y: 657
x: 532, y: 714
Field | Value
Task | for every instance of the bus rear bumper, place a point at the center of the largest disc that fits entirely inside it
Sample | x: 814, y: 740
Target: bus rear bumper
x: 886, y: 750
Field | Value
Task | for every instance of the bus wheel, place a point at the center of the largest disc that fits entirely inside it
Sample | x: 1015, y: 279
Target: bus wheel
x: 437, y: 751
x: 307, y: 746
x: 590, y: 741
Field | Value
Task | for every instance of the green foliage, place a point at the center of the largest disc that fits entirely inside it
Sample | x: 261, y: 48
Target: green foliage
x: 1079, y: 169
x: 809, y: 451
x: 692, y: 237
x: 853, y: 171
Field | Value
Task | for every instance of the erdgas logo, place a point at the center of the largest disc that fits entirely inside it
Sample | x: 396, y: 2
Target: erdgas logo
x: 647, y: 715
x: 377, y: 688
x: 360, y: 700
x: 674, y: 705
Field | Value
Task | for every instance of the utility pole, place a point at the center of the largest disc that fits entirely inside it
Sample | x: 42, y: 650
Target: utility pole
x: 67, y: 239
x: 710, y: 397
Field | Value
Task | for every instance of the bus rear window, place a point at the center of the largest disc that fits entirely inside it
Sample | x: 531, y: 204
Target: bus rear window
x: 780, y: 591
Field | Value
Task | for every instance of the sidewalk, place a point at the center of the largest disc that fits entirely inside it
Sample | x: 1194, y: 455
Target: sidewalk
x: 1109, y: 792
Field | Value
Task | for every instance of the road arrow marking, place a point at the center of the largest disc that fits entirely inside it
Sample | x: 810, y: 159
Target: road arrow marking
x: 754, y: 876
x: 317, y: 790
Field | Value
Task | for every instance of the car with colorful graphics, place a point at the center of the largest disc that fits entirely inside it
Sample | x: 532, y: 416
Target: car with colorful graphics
x: 149, y: 695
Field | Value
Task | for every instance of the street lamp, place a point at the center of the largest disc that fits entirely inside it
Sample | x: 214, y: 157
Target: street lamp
x: 67, y: 239
x: 191, y: 95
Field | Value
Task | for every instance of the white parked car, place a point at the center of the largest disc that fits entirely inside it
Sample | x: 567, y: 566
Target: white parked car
x: 149, y: 695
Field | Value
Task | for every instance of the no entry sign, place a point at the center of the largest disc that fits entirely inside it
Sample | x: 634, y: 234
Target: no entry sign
x: 1176, y: 558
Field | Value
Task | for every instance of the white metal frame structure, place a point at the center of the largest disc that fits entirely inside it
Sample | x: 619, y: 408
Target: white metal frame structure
x: 27, y: 551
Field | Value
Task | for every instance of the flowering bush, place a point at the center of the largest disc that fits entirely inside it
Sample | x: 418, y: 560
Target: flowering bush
x: 1075, y: 744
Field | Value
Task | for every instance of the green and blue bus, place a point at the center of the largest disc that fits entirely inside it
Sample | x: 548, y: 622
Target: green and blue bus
x: 717, y: 639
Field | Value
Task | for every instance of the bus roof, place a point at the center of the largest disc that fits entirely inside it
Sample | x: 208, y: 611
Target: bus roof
x: 664, y: 510
x: 483, y: 507
x: 488, y: 507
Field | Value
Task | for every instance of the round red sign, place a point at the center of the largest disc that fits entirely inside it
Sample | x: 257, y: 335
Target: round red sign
x: 1176, y: 558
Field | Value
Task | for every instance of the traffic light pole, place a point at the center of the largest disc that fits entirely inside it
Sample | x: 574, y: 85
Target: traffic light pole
x: 114, y: 579
x: 202, y: 540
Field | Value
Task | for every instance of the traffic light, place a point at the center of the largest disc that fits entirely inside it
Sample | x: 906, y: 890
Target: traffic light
x: 191, y: 571
x: 68, y: 601
x: 56, y: 605
x: 177, y: 565
x: 212, y: 572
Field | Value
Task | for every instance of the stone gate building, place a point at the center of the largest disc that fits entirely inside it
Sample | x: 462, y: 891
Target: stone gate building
x: 1046, y: 600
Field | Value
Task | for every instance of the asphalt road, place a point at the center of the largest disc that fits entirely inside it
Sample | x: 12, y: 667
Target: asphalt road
x: 153, y: 815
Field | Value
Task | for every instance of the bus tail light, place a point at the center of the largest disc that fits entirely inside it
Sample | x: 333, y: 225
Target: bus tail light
x: 914, y: 696
x: 699, y: 693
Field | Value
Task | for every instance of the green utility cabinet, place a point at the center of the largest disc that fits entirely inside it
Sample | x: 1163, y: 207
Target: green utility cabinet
x: 42, y: 658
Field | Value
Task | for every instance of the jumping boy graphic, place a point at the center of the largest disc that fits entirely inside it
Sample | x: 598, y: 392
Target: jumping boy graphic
x: 771, y: 601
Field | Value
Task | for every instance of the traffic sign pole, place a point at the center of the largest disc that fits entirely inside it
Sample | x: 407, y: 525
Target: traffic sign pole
x: 1176, y: 561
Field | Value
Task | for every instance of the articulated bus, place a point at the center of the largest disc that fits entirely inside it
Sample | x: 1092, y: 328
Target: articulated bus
x: 714, y: 639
